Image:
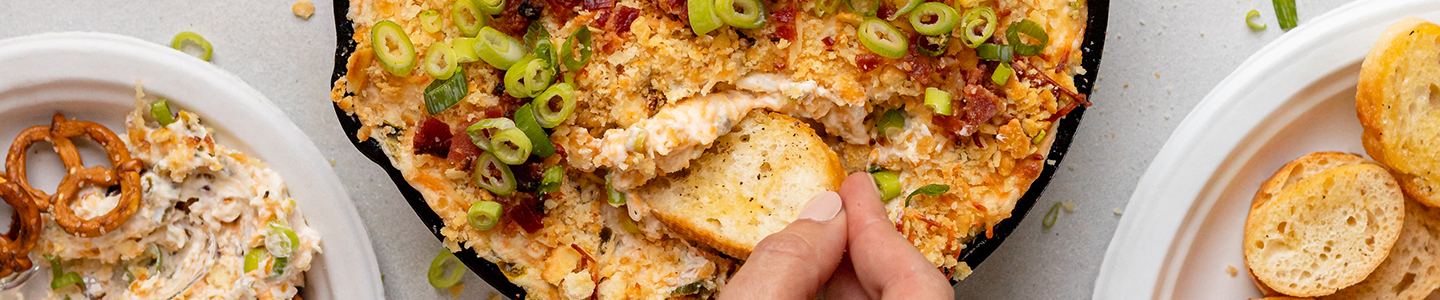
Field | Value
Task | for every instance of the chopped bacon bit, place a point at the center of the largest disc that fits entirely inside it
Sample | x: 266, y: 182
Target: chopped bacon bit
x: 784, y: 31
x: 885, y: 11
x: 979, y: 108
x: 784, y: 18
x: 433, y: 138
x: 510, y: 21
x: 560, y: 150
x: 922, y: 67
x: 597, y: 4
x: 528, y: 175
x: 602, y: 18
x: 563, y: 10
x: 625, y: 15
x: 677, y: 8
x: 867, y: 61
x: 829, y: 43
x: 462, y: 150
x: 527, y: 211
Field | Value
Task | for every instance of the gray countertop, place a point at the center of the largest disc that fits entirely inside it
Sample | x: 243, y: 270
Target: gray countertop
x: 1160, y: 59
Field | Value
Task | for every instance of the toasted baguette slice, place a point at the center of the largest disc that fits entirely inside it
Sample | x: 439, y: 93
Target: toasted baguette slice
x: 1412, y: 271
x: 1398, y: 103
x: 1324, y: 222
x: 751, y: 183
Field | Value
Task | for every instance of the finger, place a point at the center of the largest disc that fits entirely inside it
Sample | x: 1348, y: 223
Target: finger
x: 844, y: 285
x: 795, y: 262
x: 886, y: 264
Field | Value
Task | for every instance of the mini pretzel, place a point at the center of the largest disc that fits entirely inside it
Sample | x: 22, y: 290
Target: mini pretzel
x: 24, y: 231
x: 125, y: 174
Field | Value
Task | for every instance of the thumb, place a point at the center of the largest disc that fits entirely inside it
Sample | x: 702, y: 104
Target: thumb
x: 795, y: 262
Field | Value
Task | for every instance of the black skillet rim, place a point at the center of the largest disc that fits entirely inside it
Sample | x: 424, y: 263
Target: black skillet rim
x: 976, y: 251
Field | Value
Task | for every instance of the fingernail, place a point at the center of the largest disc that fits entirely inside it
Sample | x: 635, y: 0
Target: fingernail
x: 824, y: 207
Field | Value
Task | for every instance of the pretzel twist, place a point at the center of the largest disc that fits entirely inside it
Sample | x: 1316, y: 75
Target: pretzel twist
x: 125, y: 174
x: 16, y: 244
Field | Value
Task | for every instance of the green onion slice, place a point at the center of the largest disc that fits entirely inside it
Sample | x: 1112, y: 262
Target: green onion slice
x: 161, y: 113
x: 1031, y: 29
x: 883, y: 39
x: 280, y: 240
x: 534, y: 34
x: 977, y: 26
x: 511, y: 146
x: 278, y: 268
x: 465, y: 49
x: 939, y: 101
x: 441, y: 61
x: 867, y: 8
x: 498, y: 49
x: 933, y: 45
x: 994, y: 52
x: 446, y: 269
x: 826, y: 7
x: 255, y: 258
x: 888, y: 182
x: 890, y: 123
x: 484, y: 214
x: 491, y: 7
x: 614, y: 197
x: 1002, y: 74
x: 1039, y: 137
x: 744, y: 14
x: 528, y: 78
x: 190, y: 38
x: 551, y: 180
x: 481, y: 132
x: 468, y: 17
x: 392, y: 47
x: 1051, y: 216
x: 702, y: 16
x: 555, y: 105
x: 525, y: 120
x: 493, y: 175
x: 904, y: 8
x: 59, y: 278
x: 928, y: 190
x: 1252, y: 19
x: 934, y: 18
x: 576, y: 51
x: 1285, y: 13
x: 430, y: 21
x: 442, y: 94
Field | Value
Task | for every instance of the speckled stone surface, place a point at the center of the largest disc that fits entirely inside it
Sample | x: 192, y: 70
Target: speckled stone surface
x: 1161, y: 58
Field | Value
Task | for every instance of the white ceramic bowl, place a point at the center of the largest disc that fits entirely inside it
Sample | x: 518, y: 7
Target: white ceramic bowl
x: 92, y: 76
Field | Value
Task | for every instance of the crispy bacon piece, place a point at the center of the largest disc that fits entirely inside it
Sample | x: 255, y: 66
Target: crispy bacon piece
x: 624, y: 15
x: 885, y: 11
x: 923, y: 69
x: 510, y: 21
x: 563, y: 10
x: 597, y: 4
x: 784, y: 18
x: 867, y: 61
x: 527, y: 211
x: 433, y: 138
x: 829, y: 43
x: 462, y: 150
x: 677, y: 8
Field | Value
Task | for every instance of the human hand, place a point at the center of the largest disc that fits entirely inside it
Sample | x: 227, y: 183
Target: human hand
x: 809, y: 256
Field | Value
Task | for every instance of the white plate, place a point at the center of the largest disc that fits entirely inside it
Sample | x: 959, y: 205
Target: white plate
x: 1182, y: 227
x: 92, y: 76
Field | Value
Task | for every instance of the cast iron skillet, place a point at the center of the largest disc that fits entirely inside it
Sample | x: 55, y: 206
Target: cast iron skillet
x: 973, y: 254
